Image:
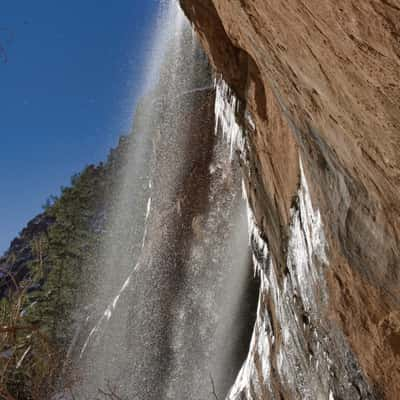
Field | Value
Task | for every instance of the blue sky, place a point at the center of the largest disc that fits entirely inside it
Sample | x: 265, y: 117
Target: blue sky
x: 67, y: 91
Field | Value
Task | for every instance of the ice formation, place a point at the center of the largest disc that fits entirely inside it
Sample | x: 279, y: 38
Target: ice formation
x: 225, y: 116
x: 306, y: 251
x: 282, y: 342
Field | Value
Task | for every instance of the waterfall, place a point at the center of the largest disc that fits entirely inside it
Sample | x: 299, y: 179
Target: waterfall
x: 175, y: 299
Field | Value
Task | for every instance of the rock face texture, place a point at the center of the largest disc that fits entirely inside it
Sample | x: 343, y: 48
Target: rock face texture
x: 314, y: 86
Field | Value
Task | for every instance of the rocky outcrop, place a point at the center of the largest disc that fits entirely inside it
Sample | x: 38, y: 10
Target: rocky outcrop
x: 317, y: 81
x: 15, y: 263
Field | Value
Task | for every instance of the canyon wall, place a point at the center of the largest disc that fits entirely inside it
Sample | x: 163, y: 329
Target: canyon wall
x: 314, y: 86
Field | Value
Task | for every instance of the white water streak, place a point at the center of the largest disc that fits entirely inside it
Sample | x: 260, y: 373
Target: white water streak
x: 108, y: 311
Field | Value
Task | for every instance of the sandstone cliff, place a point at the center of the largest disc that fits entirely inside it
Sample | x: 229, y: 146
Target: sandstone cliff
x: 317, y: 89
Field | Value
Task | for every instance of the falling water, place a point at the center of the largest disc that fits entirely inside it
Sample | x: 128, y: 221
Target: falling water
x: 175, y: 298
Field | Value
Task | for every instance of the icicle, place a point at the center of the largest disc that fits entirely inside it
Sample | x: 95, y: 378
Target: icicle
x: 250, y: 120
x: 226, y: 105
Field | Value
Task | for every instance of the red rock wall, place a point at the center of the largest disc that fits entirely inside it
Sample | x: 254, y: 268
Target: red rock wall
x: 321, y: 80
